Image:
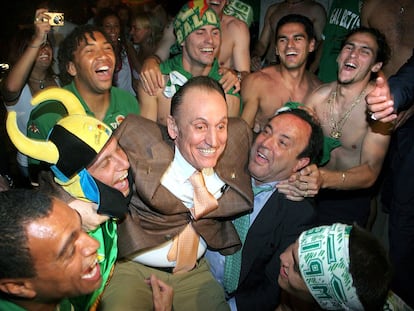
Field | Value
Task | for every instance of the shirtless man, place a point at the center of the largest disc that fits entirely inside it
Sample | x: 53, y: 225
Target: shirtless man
x: 395, y: 19
x: 265, y: 91
x: 341, y: 108
x: 234, y: 53
x: 198, y: 34
x: 266, y: 45
x: 398, y: 28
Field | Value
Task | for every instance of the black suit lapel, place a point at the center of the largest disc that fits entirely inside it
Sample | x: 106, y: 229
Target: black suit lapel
x: 261, y: 231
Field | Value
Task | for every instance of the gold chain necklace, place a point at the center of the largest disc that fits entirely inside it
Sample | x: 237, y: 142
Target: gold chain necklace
x: 336, y: 131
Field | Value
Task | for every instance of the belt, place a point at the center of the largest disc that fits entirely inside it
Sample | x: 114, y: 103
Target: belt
x: 163, y: 269
x: 170, y: 269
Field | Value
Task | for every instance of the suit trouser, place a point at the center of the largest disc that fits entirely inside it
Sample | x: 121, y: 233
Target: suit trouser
x: 398, y: 197
x: 193, y: 290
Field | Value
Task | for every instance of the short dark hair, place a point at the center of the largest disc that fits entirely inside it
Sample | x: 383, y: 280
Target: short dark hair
x: 314, y: 149
x: 300, y: 19
x: 70, y: 44
x: 18, y: 208
x: 383, y: 51
x: 202, y: 82
x: 370, y: 268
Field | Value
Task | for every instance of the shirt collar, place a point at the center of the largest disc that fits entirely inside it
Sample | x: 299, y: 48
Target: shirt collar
x: 181, y: 165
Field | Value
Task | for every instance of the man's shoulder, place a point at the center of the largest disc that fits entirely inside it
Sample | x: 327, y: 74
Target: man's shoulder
x: 43, y: 117
x: 136, y: 124
x: 237, y: 123
x: 263, y: 75
x: 323, y: 90
x: 119, y: 93
x: 124, y: 101
x: 298, y: 210
x: 234, y: 24
x: 316, y: 8
x: 239, y: 132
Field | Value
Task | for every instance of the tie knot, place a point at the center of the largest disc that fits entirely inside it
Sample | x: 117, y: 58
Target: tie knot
x: 262, y: 188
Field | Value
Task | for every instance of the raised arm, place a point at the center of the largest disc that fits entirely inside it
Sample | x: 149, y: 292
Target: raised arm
x: 241, y: 49
x: 379, y: 101
x: 264, y: 40
x: 148, y: 104
x: 20, y: 72
x: 250, y: 99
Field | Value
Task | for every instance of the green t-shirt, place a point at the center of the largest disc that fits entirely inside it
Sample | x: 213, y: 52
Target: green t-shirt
x: 44, y: 116
x: 343, y: 17
x: 107, y: 236
x: 6, y: 305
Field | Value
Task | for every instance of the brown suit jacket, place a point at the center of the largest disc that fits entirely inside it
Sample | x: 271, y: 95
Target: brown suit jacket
x: 155, y: 214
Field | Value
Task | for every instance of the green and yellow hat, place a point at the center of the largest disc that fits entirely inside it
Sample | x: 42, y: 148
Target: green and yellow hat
x: 73, y: 142
x: 192, y: 16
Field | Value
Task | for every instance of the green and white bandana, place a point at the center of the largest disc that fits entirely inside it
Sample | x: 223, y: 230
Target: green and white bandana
x: 192, y: 16
x: 324, y: 265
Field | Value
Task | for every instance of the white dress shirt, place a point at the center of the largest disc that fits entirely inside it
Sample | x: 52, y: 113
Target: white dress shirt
x: 176, y: 180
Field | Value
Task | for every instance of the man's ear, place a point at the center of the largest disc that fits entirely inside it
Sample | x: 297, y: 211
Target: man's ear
x: 377, y: 67
x: 312, y: 45
x: 17, y: 287
x: 302, y: 162
x: 71, y: 69
x: 172, y: 127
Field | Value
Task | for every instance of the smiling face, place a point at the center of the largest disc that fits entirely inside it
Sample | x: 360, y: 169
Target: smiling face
x: 356, y: 60
x: 45, y: 56
x: 201, y: 46
x: 111, y: 167
x: 290, y: 278
x: 111, y: 25
x: 274, y: 154
x: 293, y: 45
x: 140, y: 30
x: 200, y: 127
x: 65, y: 257
x: 93, y: 64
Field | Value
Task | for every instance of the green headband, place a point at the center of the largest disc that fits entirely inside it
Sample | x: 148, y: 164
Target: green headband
x: 192, y: 16
x: 324, y: 265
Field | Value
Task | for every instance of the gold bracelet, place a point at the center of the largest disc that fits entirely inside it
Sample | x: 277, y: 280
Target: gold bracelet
x: 343, y: 177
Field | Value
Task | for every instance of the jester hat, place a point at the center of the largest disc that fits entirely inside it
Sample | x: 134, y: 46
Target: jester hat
x: 71, y: 146
x: 72, y: 143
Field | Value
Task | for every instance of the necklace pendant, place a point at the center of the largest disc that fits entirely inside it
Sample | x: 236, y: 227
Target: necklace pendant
x: 336, y: 134
x: 402, y: 10
x: 41, y: 85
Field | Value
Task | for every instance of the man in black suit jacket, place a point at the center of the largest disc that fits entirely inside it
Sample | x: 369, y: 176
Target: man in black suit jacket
x: 397, y: 192
x: 290, y: 141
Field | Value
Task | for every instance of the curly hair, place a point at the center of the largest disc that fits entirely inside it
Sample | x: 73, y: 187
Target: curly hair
x: 71, y: 43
